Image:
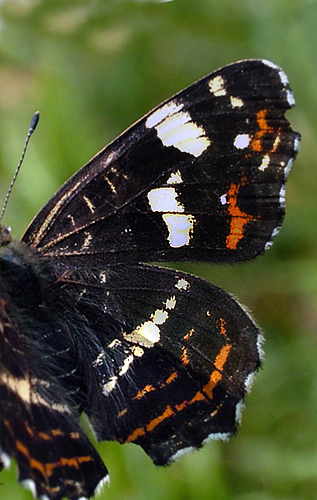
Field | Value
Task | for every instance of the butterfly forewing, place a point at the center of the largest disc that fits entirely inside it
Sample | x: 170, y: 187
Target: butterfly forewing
x: 200, y: 178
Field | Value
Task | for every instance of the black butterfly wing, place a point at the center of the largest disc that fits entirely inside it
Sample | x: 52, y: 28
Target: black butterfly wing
x: 202, y: 177
x: 176, y: 357
x: 39, y: 427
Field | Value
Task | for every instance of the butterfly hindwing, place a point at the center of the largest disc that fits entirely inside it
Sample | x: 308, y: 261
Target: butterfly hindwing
x: 174, y: 371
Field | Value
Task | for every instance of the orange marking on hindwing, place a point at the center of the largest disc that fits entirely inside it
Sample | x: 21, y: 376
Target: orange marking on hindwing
x: 34, y: 464
x: 135, y: 434
x: 206, y: 392
x: 122, y: 412
x: 215, y: 377
x: 170, y: 379
x: 189, y: 334
x: 146, y: 389
x: 57, y: 432
x: 184, y: 356
x: 223, y: 327
x: 74, y: 435
x: 149, y: 388
x: 44, y: 436
x: 28, y: 428
x: 168, y: 412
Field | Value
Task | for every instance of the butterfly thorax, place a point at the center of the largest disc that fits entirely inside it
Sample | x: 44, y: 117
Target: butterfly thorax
x: 20, y: 268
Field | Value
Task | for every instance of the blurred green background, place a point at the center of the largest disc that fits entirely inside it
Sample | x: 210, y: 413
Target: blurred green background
x: 92, y: 68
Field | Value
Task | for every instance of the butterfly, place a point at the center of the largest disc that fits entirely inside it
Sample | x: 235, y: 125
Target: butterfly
x: 88, y: 324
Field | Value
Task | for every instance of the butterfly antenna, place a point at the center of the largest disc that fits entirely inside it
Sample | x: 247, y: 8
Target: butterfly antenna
x: 33, y: 124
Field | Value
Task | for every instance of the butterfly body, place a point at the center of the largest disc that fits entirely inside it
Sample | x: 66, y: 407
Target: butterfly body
x: 153, y: 356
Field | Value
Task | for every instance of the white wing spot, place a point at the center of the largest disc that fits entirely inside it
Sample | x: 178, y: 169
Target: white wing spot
x: 182, y: 284
x: 236, y: 102
x: 137, y: 351
x: 175, y: 178
x: 242, y: 141
x: 180, y: 228
x: 127, y: 362
x: 176, y: 128
x: 223, y: 199
x: 171, y: 303
x: 276, y: 142
x: 217, y: 86
x: 164, y: 200
x: 162, y: 113
x: 159, y: 317
x: 99, y: 359
x: 265, y: 162
x: 114, y: 343
x: 109, y: 386
x: 146, y: 334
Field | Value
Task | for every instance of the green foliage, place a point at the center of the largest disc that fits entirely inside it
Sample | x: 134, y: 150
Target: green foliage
x: 94, y: 67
